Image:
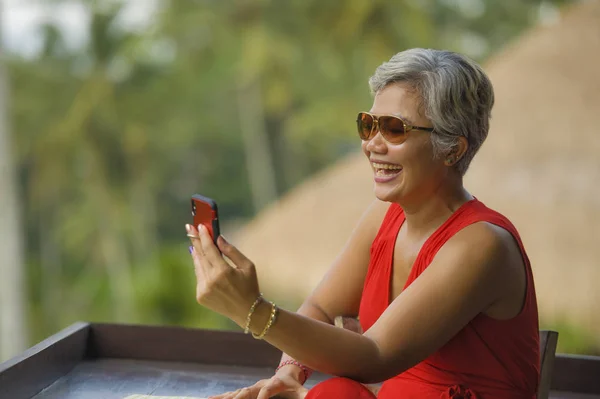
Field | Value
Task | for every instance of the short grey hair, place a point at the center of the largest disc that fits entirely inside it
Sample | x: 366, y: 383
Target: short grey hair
x: 456, y: 96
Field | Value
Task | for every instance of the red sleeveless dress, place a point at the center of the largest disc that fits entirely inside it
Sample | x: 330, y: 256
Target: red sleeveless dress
x: 488, y: 358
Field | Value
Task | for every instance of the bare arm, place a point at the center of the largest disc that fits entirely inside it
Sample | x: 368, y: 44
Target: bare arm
x: 333, y: 298
x: 459, y: 284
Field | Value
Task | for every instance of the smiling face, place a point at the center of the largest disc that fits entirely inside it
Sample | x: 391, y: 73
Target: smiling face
x: 407, y: 171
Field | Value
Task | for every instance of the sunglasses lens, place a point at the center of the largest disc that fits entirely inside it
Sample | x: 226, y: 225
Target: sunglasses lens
x: 365, y: 125
x: 392, y: 129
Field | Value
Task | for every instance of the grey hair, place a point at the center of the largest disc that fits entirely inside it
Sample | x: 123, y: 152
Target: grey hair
x: 456, y: 96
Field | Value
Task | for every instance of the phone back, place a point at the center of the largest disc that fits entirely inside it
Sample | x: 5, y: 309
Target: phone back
x: 204, y: 211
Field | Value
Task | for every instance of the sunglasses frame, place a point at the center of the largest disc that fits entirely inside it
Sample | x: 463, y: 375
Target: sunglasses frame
x: 375, y: 128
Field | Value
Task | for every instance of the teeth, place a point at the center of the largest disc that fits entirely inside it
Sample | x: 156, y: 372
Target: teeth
x: 385, y: 166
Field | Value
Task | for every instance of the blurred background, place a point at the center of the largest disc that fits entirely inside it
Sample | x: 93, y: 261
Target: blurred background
x: 112, y: 113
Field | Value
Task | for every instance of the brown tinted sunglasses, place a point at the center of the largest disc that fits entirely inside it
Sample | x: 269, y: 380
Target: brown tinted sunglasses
x: 392, y: 128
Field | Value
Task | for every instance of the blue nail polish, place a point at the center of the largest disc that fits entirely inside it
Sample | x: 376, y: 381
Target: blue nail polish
x: 191, y: 249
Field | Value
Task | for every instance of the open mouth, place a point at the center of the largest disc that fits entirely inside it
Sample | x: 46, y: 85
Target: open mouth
x: 385, y: 169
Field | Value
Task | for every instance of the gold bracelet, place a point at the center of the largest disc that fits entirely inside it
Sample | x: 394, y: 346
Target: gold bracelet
x: 252, y: 309
x: 272, y: 318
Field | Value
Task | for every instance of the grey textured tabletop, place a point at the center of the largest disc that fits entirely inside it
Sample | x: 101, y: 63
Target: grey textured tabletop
x: 132, y: 379
x: 118, y: 379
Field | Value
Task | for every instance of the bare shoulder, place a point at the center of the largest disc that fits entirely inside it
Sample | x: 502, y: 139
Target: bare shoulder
x: 374, y: 215
x: 366, y: 230
x: 485, y: 241
x: 491, y: 253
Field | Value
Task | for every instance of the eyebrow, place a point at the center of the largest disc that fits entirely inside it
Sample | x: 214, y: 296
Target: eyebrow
x: 404, y: 118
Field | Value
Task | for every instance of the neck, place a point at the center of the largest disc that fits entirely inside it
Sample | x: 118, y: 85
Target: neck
x: 425, y: 214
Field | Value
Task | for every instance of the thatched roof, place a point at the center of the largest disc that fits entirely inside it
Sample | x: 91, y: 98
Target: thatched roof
x: 540, y: 166
x: 294, y: 241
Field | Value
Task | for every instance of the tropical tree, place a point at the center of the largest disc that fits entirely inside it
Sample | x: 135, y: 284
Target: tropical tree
x: 239, y: 100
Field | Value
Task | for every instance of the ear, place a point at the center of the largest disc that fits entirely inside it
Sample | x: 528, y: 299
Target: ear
x: 458, y: 152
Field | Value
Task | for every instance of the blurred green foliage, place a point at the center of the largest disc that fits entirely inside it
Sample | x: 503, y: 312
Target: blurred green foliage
x: 573, y: 339
x: 113, y: 138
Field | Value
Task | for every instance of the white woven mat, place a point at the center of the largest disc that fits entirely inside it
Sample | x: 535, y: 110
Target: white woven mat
x: 161, y: 397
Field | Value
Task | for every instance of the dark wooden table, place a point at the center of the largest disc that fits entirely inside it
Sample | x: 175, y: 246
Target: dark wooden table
x: 110, y: 361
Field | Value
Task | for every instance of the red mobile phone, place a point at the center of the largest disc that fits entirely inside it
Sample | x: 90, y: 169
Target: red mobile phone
x: 204, y: 211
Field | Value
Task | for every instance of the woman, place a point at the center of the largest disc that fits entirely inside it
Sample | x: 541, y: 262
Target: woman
x: 442, y: 284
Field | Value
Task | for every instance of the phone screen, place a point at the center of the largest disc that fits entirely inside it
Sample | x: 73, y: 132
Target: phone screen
x: 204, y: 211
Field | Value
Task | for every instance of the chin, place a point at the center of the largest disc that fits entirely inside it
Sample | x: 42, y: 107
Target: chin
x: 385, y: 194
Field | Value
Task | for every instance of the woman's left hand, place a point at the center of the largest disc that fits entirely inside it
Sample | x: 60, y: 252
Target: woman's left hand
x: 228, y: 289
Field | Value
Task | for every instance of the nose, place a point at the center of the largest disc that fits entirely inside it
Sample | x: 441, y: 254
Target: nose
x: 376, y: 144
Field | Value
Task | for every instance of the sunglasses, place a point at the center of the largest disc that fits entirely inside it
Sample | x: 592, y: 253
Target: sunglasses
x: 392, y: 128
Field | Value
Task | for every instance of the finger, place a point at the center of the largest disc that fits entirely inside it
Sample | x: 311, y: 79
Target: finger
x: 230, y: 395
x: 238, y: 258
x: 211, y: 252
x: 233, y: 394
x: 194, y: 237
x: 243, y: 394
x: 226, y: 395
x: 200, y: 262
x: 274, y: 387
x: 191, y: 232
x: 198, y: 267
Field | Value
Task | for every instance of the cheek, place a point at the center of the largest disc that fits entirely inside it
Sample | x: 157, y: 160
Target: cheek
x: 363, y: 145
x: 421, y: 160
x: 431, y: 168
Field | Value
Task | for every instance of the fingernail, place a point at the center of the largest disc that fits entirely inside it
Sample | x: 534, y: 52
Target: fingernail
x: 200, y: 227
x: 191, y: 249
x: 187, y: 228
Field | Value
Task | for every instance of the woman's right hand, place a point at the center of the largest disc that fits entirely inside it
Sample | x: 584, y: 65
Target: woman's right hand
x: 285, y: 384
